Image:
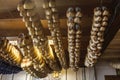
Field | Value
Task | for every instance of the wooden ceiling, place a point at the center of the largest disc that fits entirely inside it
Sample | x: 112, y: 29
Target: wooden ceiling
x: 11, y: 23
x: 113, y: 50
x: 8, y: 9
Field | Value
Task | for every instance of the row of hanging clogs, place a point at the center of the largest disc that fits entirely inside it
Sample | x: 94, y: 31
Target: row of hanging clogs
x: 9, y: 52
x: 100, y: 22
x: 39, y: 58
x: 52, y: 16
x: 43, y: 50
x: 74, y: 36
x: 31, y: 55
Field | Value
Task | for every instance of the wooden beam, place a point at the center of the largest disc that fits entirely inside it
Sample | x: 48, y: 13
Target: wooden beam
x: 111, y: 55
x: 113, y: 27
x: 19, y: 24
x: 12, y: 27
x: 62, y: 5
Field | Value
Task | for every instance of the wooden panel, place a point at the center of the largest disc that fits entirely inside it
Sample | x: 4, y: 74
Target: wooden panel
x: 11, y: 24
x: 12, y: 27
x: 113, y: 49
x: 62, y: 5
x: 19, y: 24
x: 112, y: 77
x: 114, y: 46
x: 8, y: 5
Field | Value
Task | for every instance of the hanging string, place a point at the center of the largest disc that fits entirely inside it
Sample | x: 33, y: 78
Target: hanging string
x: 66, y: 74
x: 76, y: 75
x: 31, y: 77
x: 12, y: 76
x: 101, y: 3
x: 84, y: 73
x: 1, y: 77
x: 95, y: 74
x: 26, y: 76
x: 98, y: 2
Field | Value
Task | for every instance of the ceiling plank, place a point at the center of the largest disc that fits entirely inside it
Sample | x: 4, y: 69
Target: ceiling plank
x: 9, y: 25
x: 12, y: 26
x: 62, y: 5
x: 113, y: 27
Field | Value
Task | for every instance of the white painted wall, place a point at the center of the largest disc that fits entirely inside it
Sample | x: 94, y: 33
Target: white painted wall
x: 18, y: 76
x: 102, y: 68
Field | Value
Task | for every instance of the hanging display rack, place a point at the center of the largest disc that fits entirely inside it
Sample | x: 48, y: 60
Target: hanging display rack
x: 36, y: 55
